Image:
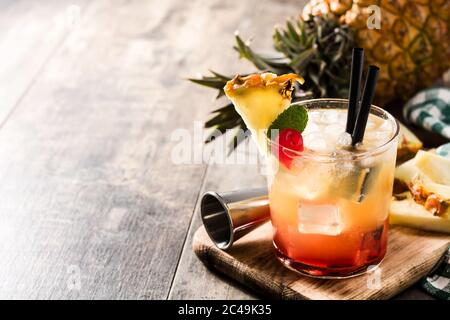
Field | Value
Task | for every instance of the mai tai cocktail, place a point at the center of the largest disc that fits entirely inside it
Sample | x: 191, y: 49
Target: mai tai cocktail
x: 329, y: 202
x: 329, y: 192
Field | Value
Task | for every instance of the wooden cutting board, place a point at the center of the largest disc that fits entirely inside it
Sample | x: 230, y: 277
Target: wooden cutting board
x: 251, y: 261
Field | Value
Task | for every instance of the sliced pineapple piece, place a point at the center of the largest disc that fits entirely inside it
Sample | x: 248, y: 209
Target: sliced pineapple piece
x: 409, y: 213
x: 432, y: 187
x: 260, y: 98
x: 408, y: 144
x: 437, y: 168
x: 433, y: 196
x: 426, y: 204
x: 404, y: 174
x: 406, y: 171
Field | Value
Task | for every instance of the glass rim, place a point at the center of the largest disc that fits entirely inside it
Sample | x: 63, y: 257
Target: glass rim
x: 353, y: 156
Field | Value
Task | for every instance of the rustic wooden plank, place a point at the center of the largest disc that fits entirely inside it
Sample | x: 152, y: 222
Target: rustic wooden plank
x: 411, y: 254
x: 193, y: 280
x: 30, y: 32
x: 92, y: 205
x: 251, y: 18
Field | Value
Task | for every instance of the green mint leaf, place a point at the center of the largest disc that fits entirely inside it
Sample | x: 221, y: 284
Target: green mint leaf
x: 294, y: 117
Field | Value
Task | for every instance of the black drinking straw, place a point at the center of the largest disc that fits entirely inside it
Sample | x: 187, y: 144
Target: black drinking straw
x: 366, y: 102
x: 354, y: 89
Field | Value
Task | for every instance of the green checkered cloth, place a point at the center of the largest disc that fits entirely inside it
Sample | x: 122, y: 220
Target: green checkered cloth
x: 437, y: 283
x: 430, y: 109
x: 444, y: 150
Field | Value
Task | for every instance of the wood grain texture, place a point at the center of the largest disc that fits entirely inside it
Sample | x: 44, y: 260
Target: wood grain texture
x: 92, y: 205
x: 192, y: 280
x: 252, y: 19
x: 30, y: 32
x: 411, y: 254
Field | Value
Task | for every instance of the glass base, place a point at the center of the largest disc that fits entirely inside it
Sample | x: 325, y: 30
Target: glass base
x: 326, y: 273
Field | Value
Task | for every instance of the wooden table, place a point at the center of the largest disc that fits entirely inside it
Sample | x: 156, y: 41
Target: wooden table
x: 92, y: 207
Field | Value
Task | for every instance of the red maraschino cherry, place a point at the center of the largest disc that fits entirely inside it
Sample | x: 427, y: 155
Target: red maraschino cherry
x: 287, y: 140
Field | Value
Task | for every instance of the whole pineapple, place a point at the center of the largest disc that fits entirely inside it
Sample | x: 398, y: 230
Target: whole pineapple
x: 412, y: 49
x: 412, y: 46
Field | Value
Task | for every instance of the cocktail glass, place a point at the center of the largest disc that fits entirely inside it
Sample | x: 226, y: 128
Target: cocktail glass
x: 329, y: 208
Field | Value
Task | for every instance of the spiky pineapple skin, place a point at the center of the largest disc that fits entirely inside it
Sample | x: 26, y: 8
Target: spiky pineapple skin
x: 412, y: 47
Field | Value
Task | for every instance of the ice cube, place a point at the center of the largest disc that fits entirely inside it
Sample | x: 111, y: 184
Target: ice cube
x: 344, y: 140
x: 316, y: 142
x: 344, y: 169
x: 343, y: 165
x: 314, y: 116
x: 310, y: 128
x: 370, y: 135
x: 376, y: 138
x: 370, y: 124
x: 329, y: 117
x: 367, y: 162
x: 308, y: 180
x: 333, y: 129
x: 385, y: 126
x: 320, y: 145
x: 319, y: 219
x: 383, y: 136
x: 342, y: 116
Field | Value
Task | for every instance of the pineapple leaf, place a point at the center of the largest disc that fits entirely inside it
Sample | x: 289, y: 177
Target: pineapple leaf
x: 220, y: 94
x: 220, y: 76
x: 321, y: 54
x: 292, y: 32
x: 263, y: 63
x: 213, y: 135
x: 217, y: 81
x: 211, y: 83
x: 302, y: 59
x: 227, y: 108
x: 318, y: 48
x: 221, y: 118
x: 241, y: 135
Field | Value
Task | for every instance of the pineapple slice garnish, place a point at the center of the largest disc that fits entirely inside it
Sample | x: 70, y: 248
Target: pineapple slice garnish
x: 422, y: 197
x: 436, y: 167
x: 411, y: 214
x: 408, y: 144
x: 406, y: 172
x: 433, y: 196
x: 260, y: 98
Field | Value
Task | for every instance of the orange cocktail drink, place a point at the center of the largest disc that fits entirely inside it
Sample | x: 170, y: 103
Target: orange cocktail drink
x: 329, y: 205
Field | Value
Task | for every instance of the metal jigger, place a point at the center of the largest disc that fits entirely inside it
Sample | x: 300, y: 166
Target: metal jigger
x: 230, y: 215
